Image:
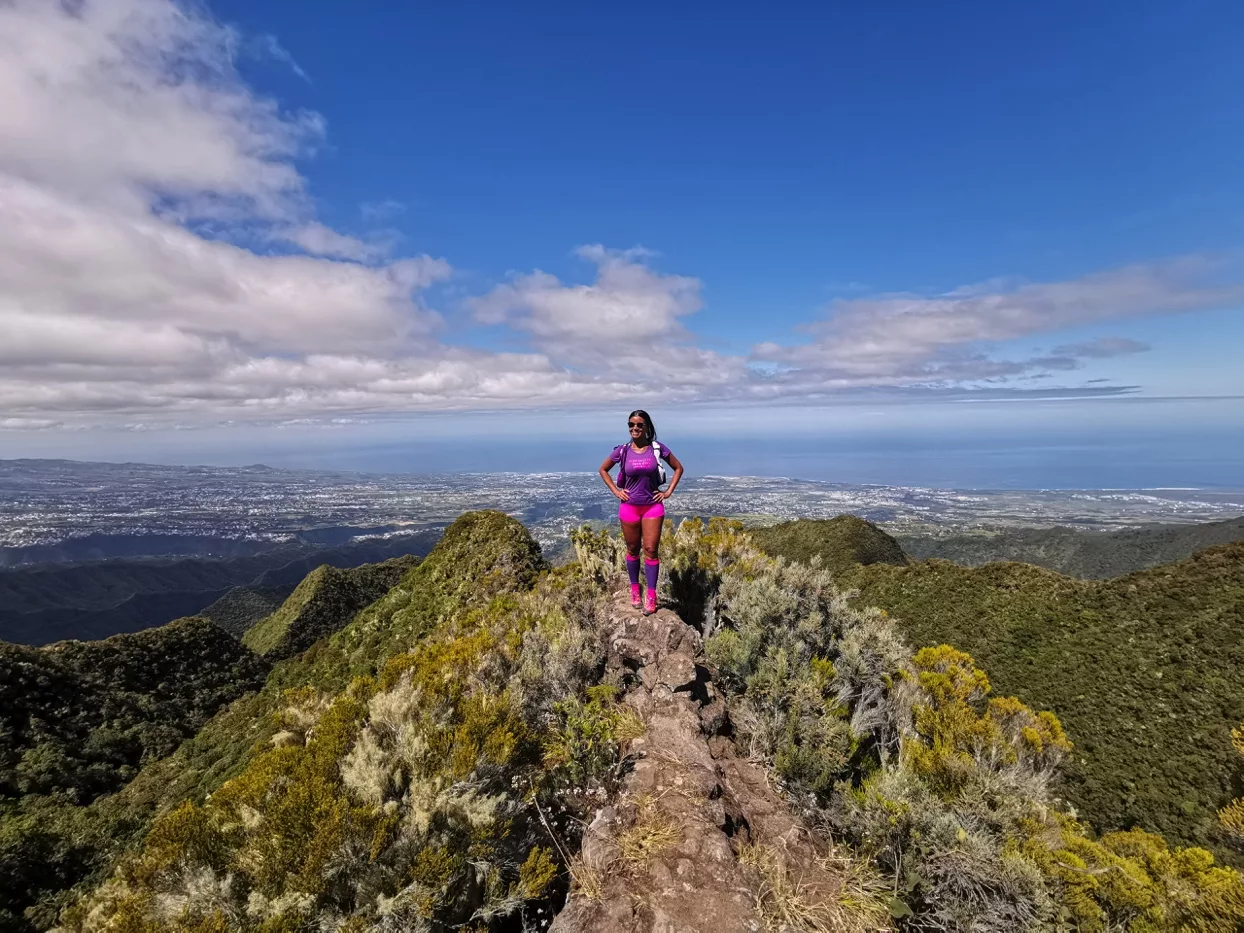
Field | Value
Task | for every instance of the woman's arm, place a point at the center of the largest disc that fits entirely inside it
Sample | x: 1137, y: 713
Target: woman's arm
x: 605, y: 467
x: 677, y: 465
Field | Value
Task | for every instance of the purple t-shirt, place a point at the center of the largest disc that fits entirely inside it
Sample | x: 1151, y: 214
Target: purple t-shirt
x: 639, y: 477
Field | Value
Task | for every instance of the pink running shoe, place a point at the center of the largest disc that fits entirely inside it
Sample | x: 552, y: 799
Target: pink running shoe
x: 650, y: 604
x: 635, y: 600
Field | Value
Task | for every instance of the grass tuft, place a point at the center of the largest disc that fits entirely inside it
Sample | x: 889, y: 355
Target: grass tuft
x: 788, y: 903
x: 650, y: 835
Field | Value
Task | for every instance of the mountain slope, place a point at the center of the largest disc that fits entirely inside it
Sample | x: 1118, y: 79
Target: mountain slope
x: 322, y: 603
x: 1143, y: 671
x: 58, y: 845
x: 839, y: 542
x: 475, y: 578
x: 242, y: 606
x: 433, y: 763
x: 1076, y: 552
x: 78, y: 719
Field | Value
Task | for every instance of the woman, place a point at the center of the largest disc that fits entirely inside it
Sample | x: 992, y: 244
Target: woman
x: 642, y: 508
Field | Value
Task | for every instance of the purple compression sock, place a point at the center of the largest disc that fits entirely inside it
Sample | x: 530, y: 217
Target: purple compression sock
x: 652, y: 569
x: 632, y: 569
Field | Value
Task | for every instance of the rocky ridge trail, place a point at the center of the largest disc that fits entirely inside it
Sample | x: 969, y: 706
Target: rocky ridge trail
x: 697, y: 839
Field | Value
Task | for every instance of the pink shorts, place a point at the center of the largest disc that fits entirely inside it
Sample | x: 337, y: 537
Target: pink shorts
x: 633, y: 513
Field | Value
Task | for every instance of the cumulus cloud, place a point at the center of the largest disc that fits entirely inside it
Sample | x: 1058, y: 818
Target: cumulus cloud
x: 899, y: 339
x: 160, y: 256
x: 130, y: 153
x: 134, y: 167
x: 627, y: 326
x: 118, y: 101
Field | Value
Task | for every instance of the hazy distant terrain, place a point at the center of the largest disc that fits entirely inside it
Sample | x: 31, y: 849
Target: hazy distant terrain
x: 94, y: 549
x: 58, y: 510
x: 52, y: 602
x: 1093, y: 555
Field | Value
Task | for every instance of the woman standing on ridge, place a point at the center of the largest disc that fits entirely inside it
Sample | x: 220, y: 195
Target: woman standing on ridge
x: 642, y: 508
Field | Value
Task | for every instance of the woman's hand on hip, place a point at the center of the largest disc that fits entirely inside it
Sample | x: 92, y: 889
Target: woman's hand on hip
x: 622, y: 494
x: 660, y: 496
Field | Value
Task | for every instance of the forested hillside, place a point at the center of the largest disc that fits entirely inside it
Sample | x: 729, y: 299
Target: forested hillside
x: 839, y: 543
x: 321, y: 604
x: 79, y: 719
x: 243, y: 606
x: 1143, y: 670
x: 1076, y: 552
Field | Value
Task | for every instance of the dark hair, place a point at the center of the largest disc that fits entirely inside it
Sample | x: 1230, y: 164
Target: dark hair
x: 652, y: 428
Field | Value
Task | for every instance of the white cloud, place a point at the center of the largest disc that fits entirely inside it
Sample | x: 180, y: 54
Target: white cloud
x: 319, y: 240
x: 120, y: 100
x: 628, y: 303
x: 900, y: 339
x: 125, y: 133
x: 29, y: 424
x: 136, y: 168
x: 626, y: 326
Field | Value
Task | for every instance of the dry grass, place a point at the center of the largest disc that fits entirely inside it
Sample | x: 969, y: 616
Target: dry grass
x: 650, y: 834
x: 784, y: 902
x: 589, y: 880
x: 630, y: 726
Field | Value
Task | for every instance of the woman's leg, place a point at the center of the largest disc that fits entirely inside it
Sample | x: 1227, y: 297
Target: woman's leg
x: 652, y: 562
x: 632, y: 534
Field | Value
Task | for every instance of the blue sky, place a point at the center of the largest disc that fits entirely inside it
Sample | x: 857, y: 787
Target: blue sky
x: 782, y: 156
x: 322, y: 215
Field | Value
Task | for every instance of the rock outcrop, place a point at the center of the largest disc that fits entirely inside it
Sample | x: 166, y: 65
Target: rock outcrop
x: 698, y: 839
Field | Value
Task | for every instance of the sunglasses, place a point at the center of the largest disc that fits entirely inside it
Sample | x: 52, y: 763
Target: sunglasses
x: 636, y: 424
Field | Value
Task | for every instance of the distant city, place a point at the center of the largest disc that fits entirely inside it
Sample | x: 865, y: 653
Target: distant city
x: 46, y: 504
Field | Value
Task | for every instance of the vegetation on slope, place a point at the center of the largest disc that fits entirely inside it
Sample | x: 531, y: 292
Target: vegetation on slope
x: 1232, y: 815
x: 910, y: 759
x: 1076, y: 552
x: 48, y: 841
x: 401, y: 789
x: 839, y: 542
x: 243, y: 606
x: 1142, y: 670
x: 323, y: 602
x: 405, y: 771
x: 78, y: 719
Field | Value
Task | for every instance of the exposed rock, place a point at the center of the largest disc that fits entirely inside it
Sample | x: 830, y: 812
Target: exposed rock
x: 697, y: 835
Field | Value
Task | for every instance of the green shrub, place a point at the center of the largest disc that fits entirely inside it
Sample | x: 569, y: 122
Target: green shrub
x: 1232, y: 815
x: 583, y: 752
